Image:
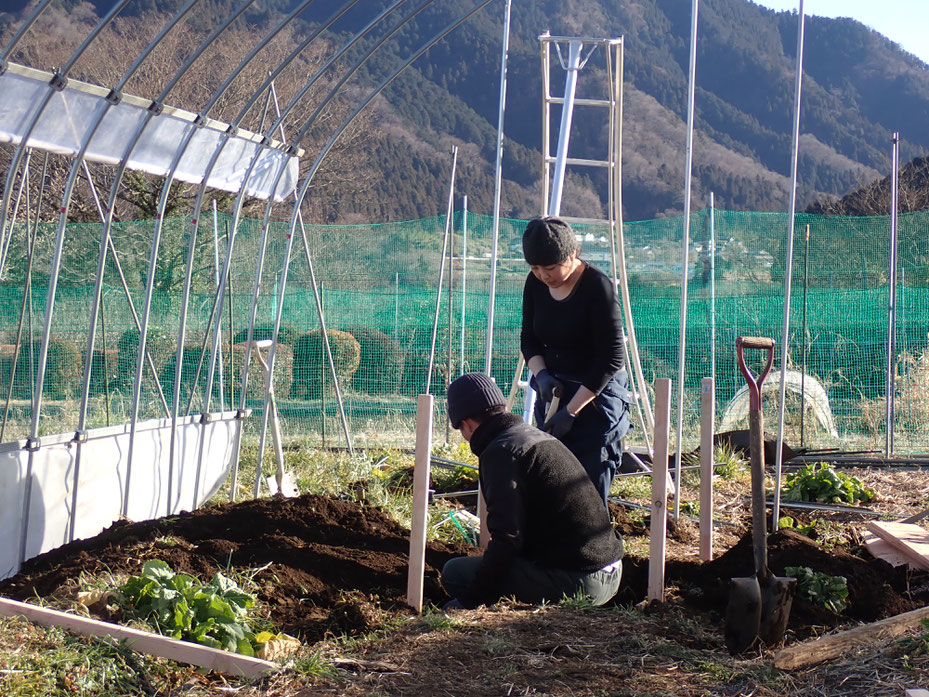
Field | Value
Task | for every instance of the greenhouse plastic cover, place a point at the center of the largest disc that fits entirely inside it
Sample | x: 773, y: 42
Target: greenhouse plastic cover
x: 203, y: 458
x: 65, y: 123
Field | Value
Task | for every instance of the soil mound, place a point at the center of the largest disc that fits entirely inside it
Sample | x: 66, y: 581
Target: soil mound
x: 329, y: 564
x: 875, y: 589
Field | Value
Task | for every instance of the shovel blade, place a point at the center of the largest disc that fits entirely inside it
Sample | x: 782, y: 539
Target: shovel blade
x: 288, y: 485
x: 743, y: 614
x: 777, y: 595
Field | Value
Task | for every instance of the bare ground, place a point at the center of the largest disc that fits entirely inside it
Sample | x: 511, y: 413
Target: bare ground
x: 333, y: 572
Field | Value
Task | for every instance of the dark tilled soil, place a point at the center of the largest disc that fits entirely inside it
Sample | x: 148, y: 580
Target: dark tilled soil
x: 330, y: 563
x: 334, y: 566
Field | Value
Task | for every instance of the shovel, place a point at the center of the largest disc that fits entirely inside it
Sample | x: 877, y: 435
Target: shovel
x: 283, y: 482
x: 759, y: 606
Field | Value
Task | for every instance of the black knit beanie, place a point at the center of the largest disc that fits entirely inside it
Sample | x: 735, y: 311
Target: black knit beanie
x: 548, y: 241
x: 470, y: 395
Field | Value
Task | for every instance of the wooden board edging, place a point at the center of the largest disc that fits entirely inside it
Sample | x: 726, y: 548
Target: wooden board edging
x: 145, y: 642
x: 833, y: 645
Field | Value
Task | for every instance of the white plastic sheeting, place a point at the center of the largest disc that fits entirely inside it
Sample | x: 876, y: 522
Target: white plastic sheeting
x: 101, y: 483
x: 816, y: 400
x: 64, y: 125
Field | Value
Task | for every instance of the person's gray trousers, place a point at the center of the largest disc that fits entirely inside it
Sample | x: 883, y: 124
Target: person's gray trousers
x: 530, y: 583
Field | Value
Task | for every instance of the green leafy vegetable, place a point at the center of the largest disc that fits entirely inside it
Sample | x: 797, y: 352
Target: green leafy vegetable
x: 179, y: 606
x: 830, y: 592
x: 825, y: 485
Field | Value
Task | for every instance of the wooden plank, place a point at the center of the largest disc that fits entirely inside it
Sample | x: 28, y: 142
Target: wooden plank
x: 658, y: 526
x: 707, y: 465
x: 145, y: 642
x: 881, y: 549
x: 910, y: 539
x: 833, y: 645
x: 421, y: 468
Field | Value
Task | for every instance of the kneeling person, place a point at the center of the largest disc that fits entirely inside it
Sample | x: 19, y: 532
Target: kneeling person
x: 550, y: 535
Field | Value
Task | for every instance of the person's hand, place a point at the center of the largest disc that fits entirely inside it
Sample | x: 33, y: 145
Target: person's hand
x: 453, y: 604
x: 560, y: 423
x: 549, y: 386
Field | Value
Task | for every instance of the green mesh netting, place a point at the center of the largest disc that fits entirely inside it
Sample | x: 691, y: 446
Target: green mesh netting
x: 378, y: 289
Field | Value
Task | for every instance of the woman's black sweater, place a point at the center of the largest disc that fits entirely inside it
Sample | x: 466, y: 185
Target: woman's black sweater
x: 580, y: 337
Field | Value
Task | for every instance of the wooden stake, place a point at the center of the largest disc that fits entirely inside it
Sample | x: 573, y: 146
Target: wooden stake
x: 659, y: 520
x: 421, y: 467
x: 145, y: 642
x: 707, y: 465
x: 834, y: 645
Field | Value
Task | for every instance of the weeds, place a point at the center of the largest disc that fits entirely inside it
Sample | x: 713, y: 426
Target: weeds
x: 578, y: 601
x: 50, y: 662
x: 917, y: 645
x: 728, y: 463
x: 314, y: 663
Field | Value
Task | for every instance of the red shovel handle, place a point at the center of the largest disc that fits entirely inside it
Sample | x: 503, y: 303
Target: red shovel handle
x: 754, y: 382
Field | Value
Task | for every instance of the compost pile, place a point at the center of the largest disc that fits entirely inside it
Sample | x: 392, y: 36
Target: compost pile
x: 331, y: 566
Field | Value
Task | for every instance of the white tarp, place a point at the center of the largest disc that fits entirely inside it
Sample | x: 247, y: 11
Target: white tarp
x: 102, y: 480
x: 65, y: 122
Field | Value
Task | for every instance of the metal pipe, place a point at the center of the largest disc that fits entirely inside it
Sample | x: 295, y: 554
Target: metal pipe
x: 318, y: 296
x: 712, y: 251
x: 267, y: 88
x: 222, y: 387
x: 451, y: 304
x: 892, y: 297
x: 298, y: 216
x: 324, y: 152
x: 153, y: 258
x: 32, y: 443
x: 498, y: 176
x: 23, y: 180
x: 685, y: 249
x: 564, y: 133
x: 806, y: 278
x: 438, y: 292
x: 57, y: 83
x: 788, y: 272
x: 464, y: 281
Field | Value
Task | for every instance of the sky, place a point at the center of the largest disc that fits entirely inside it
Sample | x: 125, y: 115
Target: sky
x: 904, y: 21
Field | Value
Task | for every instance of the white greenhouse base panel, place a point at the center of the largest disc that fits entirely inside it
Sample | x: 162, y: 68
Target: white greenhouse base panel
x: 97, y: 468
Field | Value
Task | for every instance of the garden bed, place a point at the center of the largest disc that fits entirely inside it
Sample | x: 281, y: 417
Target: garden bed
x: 326, y: 568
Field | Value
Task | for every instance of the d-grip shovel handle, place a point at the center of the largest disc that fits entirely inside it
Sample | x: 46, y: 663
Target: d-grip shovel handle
x: 754, y: 383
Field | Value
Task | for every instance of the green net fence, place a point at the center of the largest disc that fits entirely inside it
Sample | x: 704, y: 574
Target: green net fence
x: 377, y: 285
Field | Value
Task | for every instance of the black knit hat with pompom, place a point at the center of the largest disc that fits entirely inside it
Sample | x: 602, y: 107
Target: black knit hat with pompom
x: 548, y: 241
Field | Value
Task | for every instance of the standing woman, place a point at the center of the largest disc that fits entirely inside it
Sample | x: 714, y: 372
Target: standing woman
x: 572, y: 340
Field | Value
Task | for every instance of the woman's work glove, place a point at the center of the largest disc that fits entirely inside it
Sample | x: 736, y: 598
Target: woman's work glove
x: 549, y: 386
x: 560, y: 423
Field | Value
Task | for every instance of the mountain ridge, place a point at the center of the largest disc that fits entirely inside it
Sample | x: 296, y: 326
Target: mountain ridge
x: 859, y: 88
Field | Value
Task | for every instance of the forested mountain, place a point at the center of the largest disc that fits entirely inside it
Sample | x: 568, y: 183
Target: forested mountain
x: 874, y: 198
x: 858, y: 88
